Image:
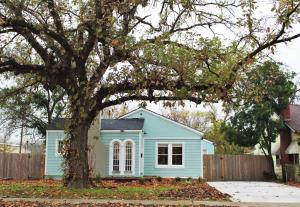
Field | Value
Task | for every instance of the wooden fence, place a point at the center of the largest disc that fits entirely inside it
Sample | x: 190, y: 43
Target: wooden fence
x: 21, y: 166
x: 235, y: 167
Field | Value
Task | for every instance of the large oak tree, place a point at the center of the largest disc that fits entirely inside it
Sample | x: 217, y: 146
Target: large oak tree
x: 106, y: 52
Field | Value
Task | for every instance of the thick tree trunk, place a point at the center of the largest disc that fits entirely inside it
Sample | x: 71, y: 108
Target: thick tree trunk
x: 76, y: 158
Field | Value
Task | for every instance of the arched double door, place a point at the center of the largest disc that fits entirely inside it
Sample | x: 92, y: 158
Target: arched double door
x: 121, y: 157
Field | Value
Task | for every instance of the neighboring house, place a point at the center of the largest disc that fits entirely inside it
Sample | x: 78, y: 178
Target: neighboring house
x: 288, y: 150
x: 12, y: 148
x: 140, y: 143
x: 290, y: 137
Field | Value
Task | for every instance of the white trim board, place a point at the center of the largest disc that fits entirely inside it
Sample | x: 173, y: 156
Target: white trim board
x: 56, y: 130
x: 162, y: 117
x: 46, y: 155
x: 175, y: 138
x: 208, y: 141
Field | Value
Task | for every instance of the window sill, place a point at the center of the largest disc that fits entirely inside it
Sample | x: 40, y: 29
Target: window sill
x: 169, y: 166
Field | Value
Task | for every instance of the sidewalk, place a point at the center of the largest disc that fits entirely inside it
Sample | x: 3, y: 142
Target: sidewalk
x: 154, y: 202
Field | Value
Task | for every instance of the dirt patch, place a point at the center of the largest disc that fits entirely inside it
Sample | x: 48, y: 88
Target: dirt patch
x: 295, y: 184
x: 201, y: 191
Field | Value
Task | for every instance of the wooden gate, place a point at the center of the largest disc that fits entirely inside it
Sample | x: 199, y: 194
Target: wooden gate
x: 235, y: 167
x: 21, y: 166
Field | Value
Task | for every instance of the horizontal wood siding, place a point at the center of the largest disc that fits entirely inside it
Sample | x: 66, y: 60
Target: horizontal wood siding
x: 235, y: 167
x: 192, y: 159
x: 53, y: 161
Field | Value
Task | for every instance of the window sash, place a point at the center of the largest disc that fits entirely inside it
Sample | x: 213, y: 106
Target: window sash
x: 171, y: 159
x: 116, y: 157
x: 128, y: 157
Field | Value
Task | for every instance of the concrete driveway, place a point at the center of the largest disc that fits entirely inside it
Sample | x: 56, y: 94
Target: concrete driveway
x: 259, y: 192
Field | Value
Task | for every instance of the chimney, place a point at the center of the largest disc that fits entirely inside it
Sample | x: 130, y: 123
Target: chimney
x: 287, y: 114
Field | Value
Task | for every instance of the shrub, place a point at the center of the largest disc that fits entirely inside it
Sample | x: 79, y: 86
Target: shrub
x: 159, y: 179
x: 201, y: 180
x: 50, y: 177
x: 177, y: 179
x: 98, y: 177
x: 189, y: 179
x: 142, y: 180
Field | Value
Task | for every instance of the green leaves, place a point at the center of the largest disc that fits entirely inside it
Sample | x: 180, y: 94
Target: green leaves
x: 262, y: 94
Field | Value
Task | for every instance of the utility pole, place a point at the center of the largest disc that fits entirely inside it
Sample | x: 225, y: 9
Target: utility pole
x: 21, y: 140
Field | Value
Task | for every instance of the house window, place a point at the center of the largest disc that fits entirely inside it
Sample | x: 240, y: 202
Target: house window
x: 177, y: 154
x: 170, y: 155
x: 128, y: 157
x: 162, y: 154
x: 116, y: 157
x: 122, y: 157
x: 60, y: 145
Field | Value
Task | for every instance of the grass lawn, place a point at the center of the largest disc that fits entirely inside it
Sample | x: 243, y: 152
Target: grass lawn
x: 109, y: 189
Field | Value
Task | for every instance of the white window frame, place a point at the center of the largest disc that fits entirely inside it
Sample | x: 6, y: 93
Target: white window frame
x: 119, y: 157
x: 57, y: 154
x: 122, y: 157
x: 125, y: 157
x: 170, y: 157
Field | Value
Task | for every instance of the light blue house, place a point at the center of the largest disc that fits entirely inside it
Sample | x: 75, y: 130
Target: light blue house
x: 140, y: 143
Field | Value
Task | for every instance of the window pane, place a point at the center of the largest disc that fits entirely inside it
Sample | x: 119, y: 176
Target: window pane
x: 116, y: 154
x: 177, y: 160
x: 163, y: 159
x: 177, y: 149
x: 163, y: 149
x: 128, y: 160
x: 60, y: 146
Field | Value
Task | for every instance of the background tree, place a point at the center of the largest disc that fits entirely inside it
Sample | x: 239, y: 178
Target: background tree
x: 262, y: 95
x: 4, y: 147
x: 103, y: 53
x: 114, y: 112
x: 30, y: 106
x: 210, y: 124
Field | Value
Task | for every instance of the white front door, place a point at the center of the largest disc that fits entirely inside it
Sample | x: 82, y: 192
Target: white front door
x: 121, y: 157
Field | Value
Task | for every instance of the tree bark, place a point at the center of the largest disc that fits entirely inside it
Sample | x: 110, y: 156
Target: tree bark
x: 271, y: 161
x: 76, y: 157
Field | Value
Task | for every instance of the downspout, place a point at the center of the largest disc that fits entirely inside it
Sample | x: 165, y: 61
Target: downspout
x: 201, y: 156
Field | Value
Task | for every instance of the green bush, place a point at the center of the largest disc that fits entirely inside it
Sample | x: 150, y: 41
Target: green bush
x: 189, y: 179
x: 142, y: 180
x: 177, y: 179
x: 50, y: 177
x: 159, y: 179
x: 98, y: 177
x: 201, y: 180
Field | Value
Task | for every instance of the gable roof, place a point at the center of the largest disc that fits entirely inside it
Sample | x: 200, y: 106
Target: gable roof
x: 122, y: 124
x: 57, y: 124
x: 294, y: 122
x: 163, y: 117
x: 106, y: 124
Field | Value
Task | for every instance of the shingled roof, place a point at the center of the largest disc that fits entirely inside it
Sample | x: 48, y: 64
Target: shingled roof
x: 294, y: 122
x: 122, y: 124
x: 57, y: 124
x: 106, y: 124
